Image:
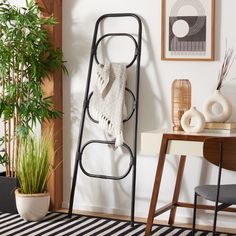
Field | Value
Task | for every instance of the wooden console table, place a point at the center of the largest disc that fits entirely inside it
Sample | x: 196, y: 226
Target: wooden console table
x: 176, y: 143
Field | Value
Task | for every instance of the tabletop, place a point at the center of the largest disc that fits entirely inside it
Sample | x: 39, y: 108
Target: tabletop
x: 180, y: 143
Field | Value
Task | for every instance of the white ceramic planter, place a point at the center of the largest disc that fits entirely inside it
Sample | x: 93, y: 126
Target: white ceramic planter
x: 193, y: 113
x: 32, y: 207
x: 220, y: 99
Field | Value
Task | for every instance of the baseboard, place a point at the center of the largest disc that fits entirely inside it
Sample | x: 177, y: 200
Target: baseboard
x: 205, y: 219
x: 100, y: 209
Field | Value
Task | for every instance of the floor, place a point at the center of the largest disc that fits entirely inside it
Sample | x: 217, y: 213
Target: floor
x: 140, y: 219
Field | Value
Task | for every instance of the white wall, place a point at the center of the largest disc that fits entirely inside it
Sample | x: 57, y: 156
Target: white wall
x: 79, y: 17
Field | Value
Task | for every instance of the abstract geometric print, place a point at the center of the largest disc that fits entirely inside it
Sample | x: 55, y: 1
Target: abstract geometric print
x: 187, y: 33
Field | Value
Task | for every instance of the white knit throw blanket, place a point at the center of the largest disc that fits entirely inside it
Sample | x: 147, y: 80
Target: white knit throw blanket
x: 108, y: 101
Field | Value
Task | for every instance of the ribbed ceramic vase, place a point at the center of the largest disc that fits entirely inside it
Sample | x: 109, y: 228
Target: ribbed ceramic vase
x: 226, y: 108
x: 198, y: 117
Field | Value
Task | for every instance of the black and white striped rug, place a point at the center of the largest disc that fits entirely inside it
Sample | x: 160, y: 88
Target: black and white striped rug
x: 58, y: 224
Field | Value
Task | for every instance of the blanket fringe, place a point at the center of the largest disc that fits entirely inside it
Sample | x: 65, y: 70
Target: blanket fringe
x: 107, y: 125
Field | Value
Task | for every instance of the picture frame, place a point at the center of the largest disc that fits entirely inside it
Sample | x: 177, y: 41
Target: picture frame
x: 188, y: 30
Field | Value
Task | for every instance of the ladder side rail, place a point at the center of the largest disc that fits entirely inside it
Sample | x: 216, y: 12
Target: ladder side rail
x: 77, y: 156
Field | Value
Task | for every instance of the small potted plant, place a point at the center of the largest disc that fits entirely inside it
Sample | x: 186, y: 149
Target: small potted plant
x: 33, y: 170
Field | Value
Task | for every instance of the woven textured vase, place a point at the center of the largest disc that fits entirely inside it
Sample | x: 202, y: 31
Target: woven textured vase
x: 180, y: 101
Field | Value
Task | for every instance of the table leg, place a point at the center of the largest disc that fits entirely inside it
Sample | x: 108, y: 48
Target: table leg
x: 156, y: 186
x: 177, y: 189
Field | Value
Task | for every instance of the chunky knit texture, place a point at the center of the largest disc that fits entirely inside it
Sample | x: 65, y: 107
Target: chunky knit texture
x: 108, y: 102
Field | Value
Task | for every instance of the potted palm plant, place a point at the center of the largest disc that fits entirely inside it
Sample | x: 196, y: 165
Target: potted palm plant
x: 32, y: 199
x: 27, y: 57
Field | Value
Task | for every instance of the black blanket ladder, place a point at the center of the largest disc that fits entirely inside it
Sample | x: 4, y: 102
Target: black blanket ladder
x: 132, y: 149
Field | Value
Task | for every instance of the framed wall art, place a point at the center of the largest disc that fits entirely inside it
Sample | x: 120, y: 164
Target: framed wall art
x: 188, y: 30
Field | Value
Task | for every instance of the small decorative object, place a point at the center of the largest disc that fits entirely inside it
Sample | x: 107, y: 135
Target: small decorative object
x: 218, y: 98
x: 187, y: 29
x: 226, y: 108
x: 180, y: 101
x: 199, y: 121
x: 220, y: 127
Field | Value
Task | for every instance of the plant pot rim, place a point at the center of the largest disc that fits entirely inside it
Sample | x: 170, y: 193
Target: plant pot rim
x: 17, y: 193
x: 3, y: 174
